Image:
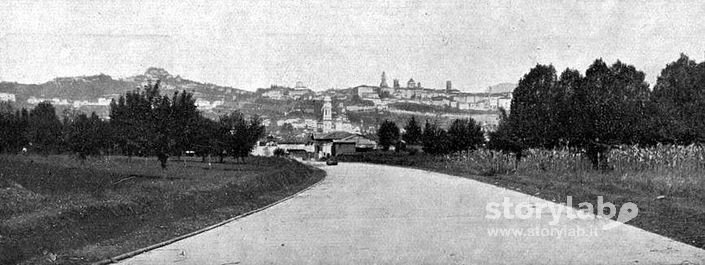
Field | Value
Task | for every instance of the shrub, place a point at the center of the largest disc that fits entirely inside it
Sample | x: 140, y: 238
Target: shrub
x: 279, y: 152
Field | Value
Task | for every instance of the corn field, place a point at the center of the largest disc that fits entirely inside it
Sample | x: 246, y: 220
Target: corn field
x: 664, y: 169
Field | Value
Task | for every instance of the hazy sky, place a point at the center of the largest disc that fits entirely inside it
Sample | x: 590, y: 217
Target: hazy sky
x: 250, y: 44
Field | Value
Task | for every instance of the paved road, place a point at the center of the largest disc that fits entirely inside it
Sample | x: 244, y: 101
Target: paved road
x: 371, y: 214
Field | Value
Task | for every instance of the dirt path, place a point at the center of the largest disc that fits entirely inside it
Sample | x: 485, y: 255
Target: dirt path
x: 365, y: 214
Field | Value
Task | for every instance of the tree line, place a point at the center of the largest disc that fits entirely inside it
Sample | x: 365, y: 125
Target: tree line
x: 461, y: 135
x: 610, y: 105
x: 142, y: 123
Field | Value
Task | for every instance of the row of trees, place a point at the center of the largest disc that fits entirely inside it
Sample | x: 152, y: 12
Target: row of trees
x: 609, y: 105
x: 142, y: 123
x: 463, y: 134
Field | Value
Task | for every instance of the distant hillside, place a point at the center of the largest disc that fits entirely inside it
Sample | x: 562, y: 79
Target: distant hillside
x: 502, y: 88
x: 92, y: 87
x: 83, y: 88
x: 202, y: 90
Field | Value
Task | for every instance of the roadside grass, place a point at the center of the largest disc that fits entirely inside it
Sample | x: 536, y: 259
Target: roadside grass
x: 640, y: 175
x: 59, y: 210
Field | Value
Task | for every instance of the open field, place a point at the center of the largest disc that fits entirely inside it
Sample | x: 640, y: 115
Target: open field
x: 639, y: 176
x: 56, y: 209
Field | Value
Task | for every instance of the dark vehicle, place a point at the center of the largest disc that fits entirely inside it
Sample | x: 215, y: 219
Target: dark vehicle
x: 332, y: 161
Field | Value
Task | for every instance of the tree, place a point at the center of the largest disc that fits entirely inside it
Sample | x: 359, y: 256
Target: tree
x: 84, y: 136
x: 279, y: 152
x: 388, y: 134
x: 538, y: 112
x: 465, y: 134
x: 679, y: 100
x: 44, y: 128
x: 147, y: 123
x: 412, y: 134
x: 13, y: 126
x: 184, y: 122
x: 503, y: 140
x: 240, y: 134
x: 531, y: 107
x: 255, y: 131
x: 287, y: 130
x: 207, y: 138
x: 609, y: 106
x: 435, y: 140
x: 163, y: 136
x: 130, y: 116
x: 564, y: 128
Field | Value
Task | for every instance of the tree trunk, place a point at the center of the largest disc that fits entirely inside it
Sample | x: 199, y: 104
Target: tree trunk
x: 162, y: 159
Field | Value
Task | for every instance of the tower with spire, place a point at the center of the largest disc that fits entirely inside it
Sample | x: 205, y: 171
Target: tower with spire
x: 384, y: 80
x: 327, y: 114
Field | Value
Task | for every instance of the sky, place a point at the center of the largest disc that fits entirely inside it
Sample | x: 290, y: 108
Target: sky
x: 339, y: 44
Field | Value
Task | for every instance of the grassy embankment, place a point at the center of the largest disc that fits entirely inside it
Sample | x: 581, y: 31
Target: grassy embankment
x: 56, y: 210
x: 639, y: 176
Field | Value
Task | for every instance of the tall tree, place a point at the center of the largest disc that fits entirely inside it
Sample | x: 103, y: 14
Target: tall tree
x: 531, y: 110
x: 255, y: 131
x: 564, y: 130
x: 207, y: 137
x: 13, y: 125
x: 503, y: 140
x: 610, y: 105
x: 240, y: 134
x: 679, y: 94
x: 412, y: 132
x: 44, y: 128
x: 147, y: 123
x: 435, y: 139
x: 465, y: 134
x: 85, y: 135
x: 184, y: 119
x: 388, y: 134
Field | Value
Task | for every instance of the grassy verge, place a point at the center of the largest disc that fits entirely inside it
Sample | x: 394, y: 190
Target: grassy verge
x: 553, y: 176
x: 56, y: 210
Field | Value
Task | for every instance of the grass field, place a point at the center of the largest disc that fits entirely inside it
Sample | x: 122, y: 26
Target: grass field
x: 639, y: 176
x: 57, y: 210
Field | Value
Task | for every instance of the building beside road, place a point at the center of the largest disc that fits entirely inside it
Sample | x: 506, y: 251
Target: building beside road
x: 337, y: 143
x: 320, y: 145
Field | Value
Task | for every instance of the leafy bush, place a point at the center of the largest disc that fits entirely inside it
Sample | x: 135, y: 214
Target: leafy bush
x: 279, y: 152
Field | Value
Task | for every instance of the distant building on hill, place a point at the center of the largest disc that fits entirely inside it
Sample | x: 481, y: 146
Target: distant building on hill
x: 299, y: 85
x: 411, y: 83
x: 7, y: 97
x: 328, y: 123
x: 383, y: 84
x: 327, y: 111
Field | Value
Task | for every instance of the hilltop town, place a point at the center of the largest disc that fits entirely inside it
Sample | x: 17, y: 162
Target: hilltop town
x: 289, y: 112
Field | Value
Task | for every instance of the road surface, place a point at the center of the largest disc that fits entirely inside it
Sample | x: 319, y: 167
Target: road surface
x: 373, y: 214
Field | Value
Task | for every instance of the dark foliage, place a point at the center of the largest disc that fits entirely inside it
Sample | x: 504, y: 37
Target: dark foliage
x: 85, y: 136
x: 435, y: 139
x: 413, y: 133
x: 44, y: 129
x: 12, y: 129
x: 142, y: 123
x: 465, y: 134
x: 610, y: 105
x: 388, y: 134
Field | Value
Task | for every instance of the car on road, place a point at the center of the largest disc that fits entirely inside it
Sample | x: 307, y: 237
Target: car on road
x: 332, y: 161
